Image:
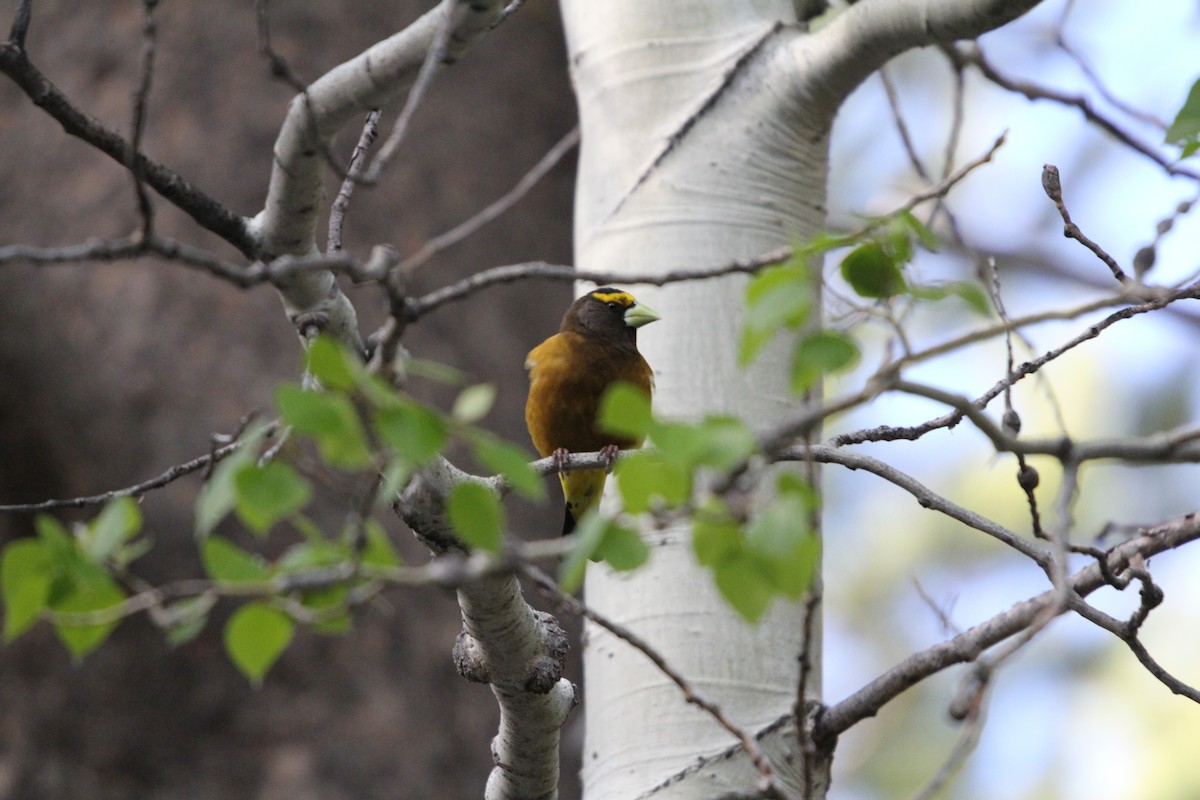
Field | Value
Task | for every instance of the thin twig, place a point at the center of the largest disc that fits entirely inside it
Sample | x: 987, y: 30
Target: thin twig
x: 141, y: 97
x: 925, y: 496
x: 420, y: 306
x: 964, y: 745
x: 469, y: 226
x: 1060, y: 38
x: 137, y: 490
x: 968, y: 646
x: 20, y: 26
x: 1053, y: 188
x: 203, y: 209
x: 337, y: 211
x: 973, y: 56
x: 433, y: 58
x: 770, y: 781
x: 910, y: 149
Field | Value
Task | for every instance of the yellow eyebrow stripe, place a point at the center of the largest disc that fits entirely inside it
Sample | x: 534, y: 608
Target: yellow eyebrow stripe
x: 624, y: 298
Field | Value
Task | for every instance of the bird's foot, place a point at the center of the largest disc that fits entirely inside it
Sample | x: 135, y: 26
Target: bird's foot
x: 560, y: 459
x: 609, y: 453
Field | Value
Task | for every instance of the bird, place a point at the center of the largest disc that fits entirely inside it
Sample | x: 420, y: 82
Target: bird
x: 596, y: 346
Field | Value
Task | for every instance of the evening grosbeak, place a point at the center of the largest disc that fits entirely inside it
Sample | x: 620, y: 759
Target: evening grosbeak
x: 595, y: 346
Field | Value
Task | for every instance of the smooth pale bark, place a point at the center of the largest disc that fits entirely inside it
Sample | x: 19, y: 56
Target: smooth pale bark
x: 696, y: 151
x: 705, y: 132
x: 288, y: 222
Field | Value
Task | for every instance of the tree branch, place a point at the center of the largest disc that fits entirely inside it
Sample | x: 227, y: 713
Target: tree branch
x: 207, y: 212
x: 865, y: 36
x: 520, y: 652
x: 968, y: 646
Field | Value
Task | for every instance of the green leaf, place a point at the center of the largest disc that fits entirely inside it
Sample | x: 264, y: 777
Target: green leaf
x: 190, y: 615
x: 1185, y: 129
x: 267, y: 494
x: 775, y: 298
x: 120, y: 520
x: 330, y: 601
x: 624, y: 411
x: 899, y: 240
x: 512, y: 462
x: 435, y: 371
x: 782, y: 539
x: 740, y: 582
x: 718, y: 441
x: 645, y: 477
x: 25, y: 577
x: 255, y: 637
x: 925, y: 236
x: 622, y: 547
x: 473, y: 403
x: 716, y: 536
x: 217, y: 496
x: 331, y: 420
x: 588, y: 535
x: 821, y: 353
x: 395, y: 477
x: 332, y: 364
x: 60, y: 547
x: 476, y: 515
x: 311, y: 555
x: 378, y: 550
x: 225, y: 562
x: 85, y: 589
x: 872, y: 272
x: 974, y: 296
x: 416, y: 433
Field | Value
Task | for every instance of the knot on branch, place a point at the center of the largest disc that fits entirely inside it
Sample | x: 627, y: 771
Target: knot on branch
x: 545, y: 668
x: 422, y: 506
x: 470, y: 660
x: 312, y: 324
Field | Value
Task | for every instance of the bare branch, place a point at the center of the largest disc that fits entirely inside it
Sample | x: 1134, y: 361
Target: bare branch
x: 968, y: 737
x: 770, y: 783
x: 1060, y: 38
x: 865, y: 36
x: 206, y: 211
x: 968, y: 646
x: 141, y: 97
x: 469, y: 226
x: 973, y: 56
x: 337, y: 211
x: 925, y: 496
x: 20, y: 26
x: 1053, y: 188
x: 171, y: 475
x: 103, y: 250
x: 435, y: 54
x: 420, y: 306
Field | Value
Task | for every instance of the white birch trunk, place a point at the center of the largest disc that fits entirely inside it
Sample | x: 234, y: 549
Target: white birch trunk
x: 695, y: 152
x: 705, y: 127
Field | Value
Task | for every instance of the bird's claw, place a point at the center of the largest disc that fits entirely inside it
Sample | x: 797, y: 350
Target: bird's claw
x: 609, y: 453
x: 560, y: 459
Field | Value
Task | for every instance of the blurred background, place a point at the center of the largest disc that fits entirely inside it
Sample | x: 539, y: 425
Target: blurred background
x: 110, y: 373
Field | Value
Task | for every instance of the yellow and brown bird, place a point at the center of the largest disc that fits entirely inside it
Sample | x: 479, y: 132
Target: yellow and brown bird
x: 595, y: 346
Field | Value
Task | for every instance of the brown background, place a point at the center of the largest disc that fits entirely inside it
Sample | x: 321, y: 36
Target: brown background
x: 110, y: 373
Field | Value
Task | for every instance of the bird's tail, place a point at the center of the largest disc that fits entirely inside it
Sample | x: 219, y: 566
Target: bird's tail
x: 581, y: 492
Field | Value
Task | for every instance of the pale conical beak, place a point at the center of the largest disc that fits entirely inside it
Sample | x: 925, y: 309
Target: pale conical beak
x: 640, y: 314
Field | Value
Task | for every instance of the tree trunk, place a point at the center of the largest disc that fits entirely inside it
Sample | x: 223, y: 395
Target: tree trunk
x: 696, y: 152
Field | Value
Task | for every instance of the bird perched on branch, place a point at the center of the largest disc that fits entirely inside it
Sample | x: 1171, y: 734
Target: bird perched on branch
x: 595, y: 346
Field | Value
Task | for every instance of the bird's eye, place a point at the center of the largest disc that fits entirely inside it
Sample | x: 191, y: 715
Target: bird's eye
x: 615, y: 306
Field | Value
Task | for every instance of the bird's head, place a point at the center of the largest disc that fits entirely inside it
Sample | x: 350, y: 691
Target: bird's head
x: 610, y: 314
